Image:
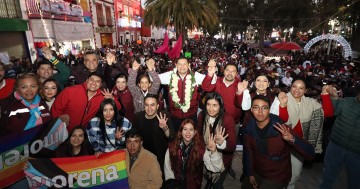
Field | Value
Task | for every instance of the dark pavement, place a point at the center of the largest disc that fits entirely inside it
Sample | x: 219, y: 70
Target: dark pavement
x: 311, y: 176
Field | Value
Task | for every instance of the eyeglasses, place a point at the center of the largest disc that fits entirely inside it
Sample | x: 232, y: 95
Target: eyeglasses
x: 262, y: 108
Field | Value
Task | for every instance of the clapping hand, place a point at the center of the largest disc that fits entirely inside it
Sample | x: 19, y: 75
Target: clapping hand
x: 283, y: 98
x: 119, y: 133
x: 211, y: 145
x: 107, y: 94
x: 285, y: 131
x: 242, y: 86
x: 162, y: 121
x: 220, y: 135
x: 110, y: 58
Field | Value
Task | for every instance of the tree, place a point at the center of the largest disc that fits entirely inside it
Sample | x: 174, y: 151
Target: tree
x: 183, y: 14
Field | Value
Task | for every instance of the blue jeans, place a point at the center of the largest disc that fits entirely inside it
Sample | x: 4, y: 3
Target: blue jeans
x: 337, y: 158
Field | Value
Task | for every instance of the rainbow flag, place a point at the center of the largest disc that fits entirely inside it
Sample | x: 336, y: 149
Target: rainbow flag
x: 106, y: 171
x: 16, y: 149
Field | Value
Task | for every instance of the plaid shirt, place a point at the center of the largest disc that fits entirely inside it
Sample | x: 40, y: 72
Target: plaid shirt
x: 96, y: 137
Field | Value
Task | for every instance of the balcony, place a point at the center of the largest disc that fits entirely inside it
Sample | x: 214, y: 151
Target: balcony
x: 10, y: 9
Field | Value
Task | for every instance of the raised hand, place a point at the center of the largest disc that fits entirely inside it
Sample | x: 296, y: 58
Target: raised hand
x: 211, y: 145
x: 110, y: 58
x: 283, y: 98
x: 162, y: 121
x: 211, y: 67
x: 242, y: 86
x: 220, y: 135
x: 285, y: 132
x: 107, y: 94
x: 135, y: 65
x: 150, y: 64
x: 119, y: 133
x: 333, y: 92
x: 46, y: 51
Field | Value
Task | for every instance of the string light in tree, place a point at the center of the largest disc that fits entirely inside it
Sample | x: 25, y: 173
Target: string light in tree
x: 346, y: 46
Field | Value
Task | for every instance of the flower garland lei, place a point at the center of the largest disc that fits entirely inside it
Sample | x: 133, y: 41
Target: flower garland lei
x: 189, y: 89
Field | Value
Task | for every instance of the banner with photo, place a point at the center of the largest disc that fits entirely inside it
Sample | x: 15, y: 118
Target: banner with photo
x: 16, y: 149
x: 106, y: 171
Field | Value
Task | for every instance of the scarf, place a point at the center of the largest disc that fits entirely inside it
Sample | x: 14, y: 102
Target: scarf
x: 35, y: 118
x: 311, y: 117
x: 185, y: 152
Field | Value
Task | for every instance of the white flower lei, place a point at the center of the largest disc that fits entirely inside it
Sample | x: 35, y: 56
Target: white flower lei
x: 189, y: 89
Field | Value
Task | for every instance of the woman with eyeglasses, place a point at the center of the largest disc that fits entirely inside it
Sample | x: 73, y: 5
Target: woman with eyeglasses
x: 24, y: 109
x: 107, y: 131
x: 305, y: 116
x: 215, y: 121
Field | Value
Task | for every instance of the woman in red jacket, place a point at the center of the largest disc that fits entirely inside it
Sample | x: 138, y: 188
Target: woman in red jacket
x: 122, y: 93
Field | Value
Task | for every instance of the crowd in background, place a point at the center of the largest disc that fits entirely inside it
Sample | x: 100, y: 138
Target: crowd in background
x: 123, y: 89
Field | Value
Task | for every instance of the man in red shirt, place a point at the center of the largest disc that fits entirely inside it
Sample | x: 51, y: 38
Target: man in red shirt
x: 6, y: 85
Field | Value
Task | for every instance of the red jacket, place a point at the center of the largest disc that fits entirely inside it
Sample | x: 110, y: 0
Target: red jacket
x: 127, y: 103
x: 74, y: 102
x: 176, y: 111
x: 7, y: 89
x: 229, y: 125
x: 232, y: 101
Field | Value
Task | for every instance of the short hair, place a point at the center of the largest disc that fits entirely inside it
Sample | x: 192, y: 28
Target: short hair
x: 89, y: 52
x: 231, y: 64
x: 121, y: 75
x: 261, y: 97
x: 96, y: 73
x: 44, y: 62
x: 132, y: 133
x: 23, y: 76
x: 182, y: 57
x: 150, y: 95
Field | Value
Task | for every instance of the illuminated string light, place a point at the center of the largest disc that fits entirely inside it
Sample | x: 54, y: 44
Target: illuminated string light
x: 43, y: 20
x: 346, y: 46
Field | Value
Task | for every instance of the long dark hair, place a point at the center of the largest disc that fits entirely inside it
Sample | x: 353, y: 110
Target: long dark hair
x: 86, y: 144
x: 219, y: 119
x: 196, y: 154
x: 118, y: 119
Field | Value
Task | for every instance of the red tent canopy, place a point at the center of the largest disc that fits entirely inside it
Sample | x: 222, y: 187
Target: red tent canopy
x: 286, y: 46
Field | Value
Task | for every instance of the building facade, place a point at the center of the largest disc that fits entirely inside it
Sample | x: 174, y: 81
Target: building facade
x: 59, y: 24
x: 103, y: 21
x: 129, y: 19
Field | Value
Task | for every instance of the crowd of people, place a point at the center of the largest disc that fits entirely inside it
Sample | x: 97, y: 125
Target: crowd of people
x: 179, y: 120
